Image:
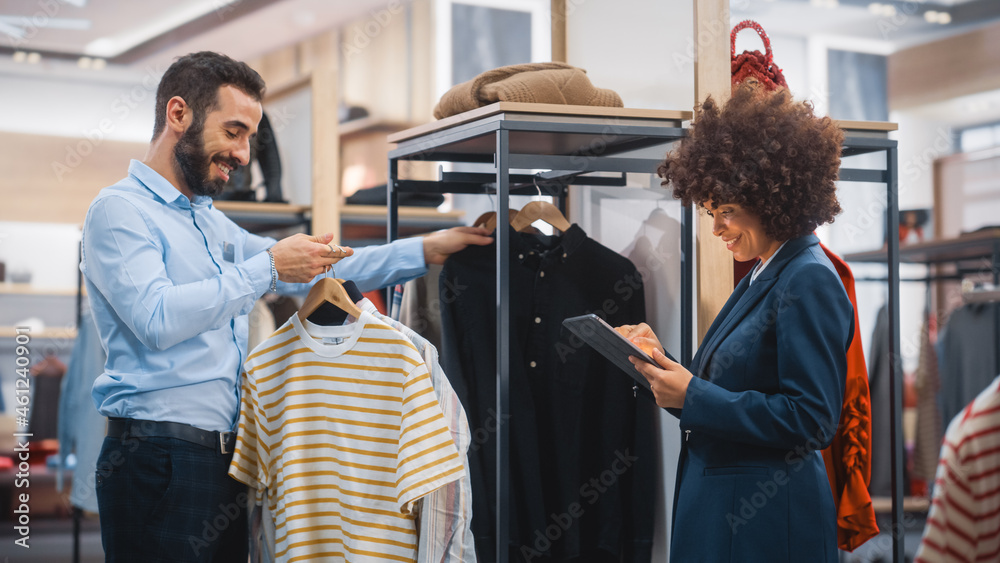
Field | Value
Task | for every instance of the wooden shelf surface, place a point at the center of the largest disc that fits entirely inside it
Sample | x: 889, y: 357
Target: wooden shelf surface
x: 551, y: 111
x: 260, y: 208
x: 866, y: 125
x: 883, y: 505
x: 8, y: 288
x: 48, y: 333
x: 370, y: 124
x: 404, y: 212
x: 967, y: 247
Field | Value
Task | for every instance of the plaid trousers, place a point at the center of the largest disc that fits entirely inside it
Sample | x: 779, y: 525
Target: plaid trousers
x: 164, y: 499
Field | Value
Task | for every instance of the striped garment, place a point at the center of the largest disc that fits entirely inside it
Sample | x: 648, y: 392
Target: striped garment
x: 964, y: 520
x: 341, y: 426
x: 446, y: 514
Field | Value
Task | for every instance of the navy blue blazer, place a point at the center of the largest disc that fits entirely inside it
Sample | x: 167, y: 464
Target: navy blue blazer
x: 766, y: 397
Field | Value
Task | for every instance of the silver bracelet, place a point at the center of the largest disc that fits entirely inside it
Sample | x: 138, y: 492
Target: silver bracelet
x: 274, y: 272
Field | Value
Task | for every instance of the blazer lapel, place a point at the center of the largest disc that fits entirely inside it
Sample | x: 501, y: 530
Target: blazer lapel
x: 738, y: 307
x: 744, y: 305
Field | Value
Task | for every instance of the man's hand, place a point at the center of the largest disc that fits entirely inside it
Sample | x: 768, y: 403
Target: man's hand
x: 669, y: 381
x: 300, y: 258
x: 440, y: 245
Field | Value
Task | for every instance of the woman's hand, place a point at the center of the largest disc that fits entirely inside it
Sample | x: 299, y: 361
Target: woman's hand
x: 642, y: 336
x: 669, y: 381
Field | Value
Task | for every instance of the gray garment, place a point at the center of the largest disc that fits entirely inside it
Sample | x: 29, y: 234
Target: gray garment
x: 879, y: 357
x: 421, y: 307
x: 967, y: 350
x: 81, y: 427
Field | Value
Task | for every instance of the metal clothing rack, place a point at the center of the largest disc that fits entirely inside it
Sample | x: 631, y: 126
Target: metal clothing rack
x: 571, y: 143
x: 978, y: 251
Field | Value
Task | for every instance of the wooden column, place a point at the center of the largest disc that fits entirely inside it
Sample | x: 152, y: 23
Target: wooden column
x: 325, y: 136
x: 712, y: 77
x: 559, y: 31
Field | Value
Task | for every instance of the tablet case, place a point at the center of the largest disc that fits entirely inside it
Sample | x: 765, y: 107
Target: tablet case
x: 613, y: 346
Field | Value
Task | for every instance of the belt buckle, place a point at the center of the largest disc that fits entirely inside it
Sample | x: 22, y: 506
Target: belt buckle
x: 223, y: 438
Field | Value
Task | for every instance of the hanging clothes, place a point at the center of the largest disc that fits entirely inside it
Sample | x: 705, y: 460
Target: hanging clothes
x: 880, y: 356
x: 260, y: 522
x: 81, y: 427
x: 340, y: 426
x: 445, y: 515
x: 964, y: 520
x: 849, y: 457
x: 968, y: 347
x: 47, y: 382
x: 577, y: 438
x: 928, y: 384
x: 420, y: 308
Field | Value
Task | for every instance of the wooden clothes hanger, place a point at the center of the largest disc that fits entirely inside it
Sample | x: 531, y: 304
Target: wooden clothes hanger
x: 488, y: 220
x: 540, y: 210
x: 329, y: 290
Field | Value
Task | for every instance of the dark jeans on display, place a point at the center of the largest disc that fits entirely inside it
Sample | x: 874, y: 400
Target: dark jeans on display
x: 164, y: 499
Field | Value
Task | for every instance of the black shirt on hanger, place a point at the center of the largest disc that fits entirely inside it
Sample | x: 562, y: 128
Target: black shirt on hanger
x: 581, y: 445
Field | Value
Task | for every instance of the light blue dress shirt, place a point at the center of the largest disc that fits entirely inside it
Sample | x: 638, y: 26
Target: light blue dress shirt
x: 171, y: 282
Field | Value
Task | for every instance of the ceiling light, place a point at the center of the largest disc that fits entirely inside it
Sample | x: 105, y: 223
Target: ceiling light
x: 99, y: 64
x: 875, y: 8
x: 84, y: 62
x: 105, y: 46
x: 933, y: 16
x: 20, y: 56
x: 888, y: 10
x: 34, y: 58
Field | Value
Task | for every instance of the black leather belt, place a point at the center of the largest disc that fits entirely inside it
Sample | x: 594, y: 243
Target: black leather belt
x: 124, y: 428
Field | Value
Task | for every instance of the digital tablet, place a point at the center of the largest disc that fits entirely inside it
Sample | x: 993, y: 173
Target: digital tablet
x: 605, y: 339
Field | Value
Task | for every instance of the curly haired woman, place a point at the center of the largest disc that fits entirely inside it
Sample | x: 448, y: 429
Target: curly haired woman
x: 765, y: 389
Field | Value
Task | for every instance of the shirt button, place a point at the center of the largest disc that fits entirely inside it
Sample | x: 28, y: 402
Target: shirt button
x: 542, y: 274
x: 538, y: 320
x: 533, y: 364
x: 520, y: 256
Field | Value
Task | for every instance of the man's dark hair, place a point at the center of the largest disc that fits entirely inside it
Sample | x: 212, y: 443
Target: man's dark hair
x: 197, y: 78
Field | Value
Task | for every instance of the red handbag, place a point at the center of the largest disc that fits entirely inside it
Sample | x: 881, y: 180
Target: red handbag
x: 753, y: 65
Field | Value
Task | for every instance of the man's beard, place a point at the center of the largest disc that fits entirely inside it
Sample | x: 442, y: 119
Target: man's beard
x: 195, y: 166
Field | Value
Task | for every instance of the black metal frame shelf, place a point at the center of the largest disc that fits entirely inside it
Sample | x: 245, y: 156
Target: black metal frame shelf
x: 571, y: 143
x: 978, y: 251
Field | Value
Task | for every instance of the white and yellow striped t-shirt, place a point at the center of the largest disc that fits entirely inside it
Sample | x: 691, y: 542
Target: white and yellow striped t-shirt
x: 344, y: 431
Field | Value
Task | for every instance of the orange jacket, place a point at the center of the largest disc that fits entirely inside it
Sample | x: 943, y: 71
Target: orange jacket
x: 849, y: 457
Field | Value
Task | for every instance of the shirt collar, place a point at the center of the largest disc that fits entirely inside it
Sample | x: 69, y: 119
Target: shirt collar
x: 567, y: 242
x: 162, y: 188
x: 761, y: 265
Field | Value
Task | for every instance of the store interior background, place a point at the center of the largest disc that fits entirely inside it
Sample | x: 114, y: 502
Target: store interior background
x: 66, y: 131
